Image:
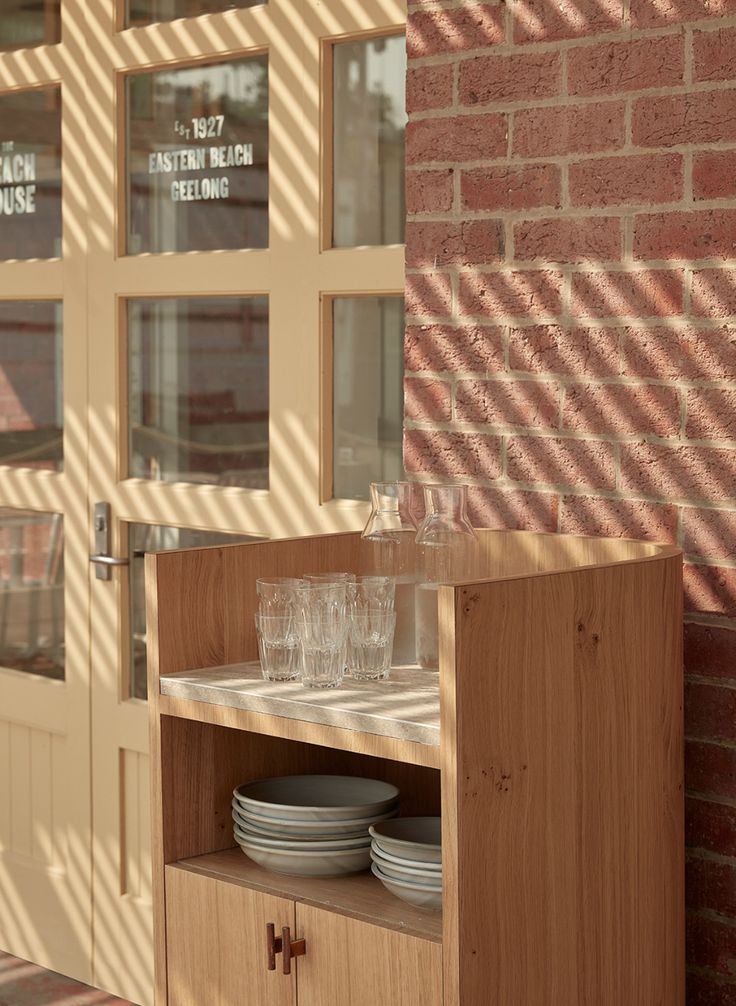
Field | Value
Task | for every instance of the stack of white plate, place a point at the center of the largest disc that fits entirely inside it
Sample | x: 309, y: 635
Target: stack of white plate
x: 311, y: 825
x: 407, y: 859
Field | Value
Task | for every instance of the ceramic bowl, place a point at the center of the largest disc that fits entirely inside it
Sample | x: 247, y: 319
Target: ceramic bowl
x: 310, y: 845
x: 420, y: 877
x: 432, y: 869
x: 317, y: 797
x: 308, y: 829
x: 421, y: 897
x: 418, y: 838
x: 308, y: 864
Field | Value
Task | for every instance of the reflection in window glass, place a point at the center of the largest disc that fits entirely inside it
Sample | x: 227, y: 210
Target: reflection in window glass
x: 31, y: 381
x: 198, y: 390
x: 29, y: 22
x: 198, y: 158
x: 30, y: 174
x: 142, y: 12
x: 368, y: 397
x: 32, y: 592
x: 158, y: 538
x: 368, y: 141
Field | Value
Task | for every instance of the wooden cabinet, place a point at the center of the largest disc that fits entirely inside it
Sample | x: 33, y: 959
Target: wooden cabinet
x: 551, y: 740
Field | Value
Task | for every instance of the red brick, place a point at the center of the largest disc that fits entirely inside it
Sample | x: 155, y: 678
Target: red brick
x: 679, y: 472
x: 611, y: 181
x: 511, y: 187
x: 653, y: 13
x: 508, y: 403
x: 429, y: 191
x: 714, y: 293
x: 711, y: 534
x: 710, y: 652
x: 711, y: 885
x: 557, y: 462
x: 430, y: 33
x: 702, y: 234
x: 543, y: 21
x: 510, y: 78
x: 530, y: 294
x: 429, y: 87
x: 713, y: 54
x: 641, y: 294
x: 700, y: 117
x: 428, y: 295
x: 680, y: 354
x: 472, y: 242
x: 710, y: 769
x: 705, y: 990
x: 711, y: 943
x: 512, y: 509
x: 460, y: 138
x: 442, y: 453
x: 710, y: 590
x: 581, y: 129
x: 711, y: 414
x: 617, y: 518
x: 467, y: 349
x: 596, y: 239
x: 626, y: 66
x: 710, y: 711
x: 551, y: 349
x: 622, y: 409
x: 710, y: 826
x: 427, y: 400
x: 714, y: 174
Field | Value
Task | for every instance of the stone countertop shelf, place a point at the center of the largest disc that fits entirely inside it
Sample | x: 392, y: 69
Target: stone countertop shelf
x: 406, y: 706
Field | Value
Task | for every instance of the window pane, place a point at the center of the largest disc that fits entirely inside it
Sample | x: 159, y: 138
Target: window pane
x: 32, y: 592
x: 198, y: 158
x: 31, y: 413
x: 157, y: 538
x: 142, y: 12
x: 198, y: 390
x: 30, y: 174
x: 368, y: 397
x: 29, y: 22
x: 368, y: 141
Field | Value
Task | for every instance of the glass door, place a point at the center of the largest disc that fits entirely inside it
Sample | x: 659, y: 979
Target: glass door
x: 209, y: 286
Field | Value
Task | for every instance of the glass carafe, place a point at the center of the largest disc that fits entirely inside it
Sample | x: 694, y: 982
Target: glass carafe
x: 391, y: 530
x: 448, y: 548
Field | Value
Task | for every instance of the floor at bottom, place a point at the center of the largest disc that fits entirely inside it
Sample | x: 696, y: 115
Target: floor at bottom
x: 25, y: 984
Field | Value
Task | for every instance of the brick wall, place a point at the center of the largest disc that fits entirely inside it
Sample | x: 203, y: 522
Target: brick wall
x: 571, y: 339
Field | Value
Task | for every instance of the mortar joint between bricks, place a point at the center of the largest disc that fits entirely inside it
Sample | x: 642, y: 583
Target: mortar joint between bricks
x: 688, y: 66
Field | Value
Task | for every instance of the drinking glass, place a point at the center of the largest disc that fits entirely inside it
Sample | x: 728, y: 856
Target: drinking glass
x: 370, y: 643
x: 276, y: 594
x: 322, y: 640
x: 365, y: 593
x: 278, y: 647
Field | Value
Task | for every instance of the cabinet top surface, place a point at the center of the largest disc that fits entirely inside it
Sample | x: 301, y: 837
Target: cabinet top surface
x: 406, y: 706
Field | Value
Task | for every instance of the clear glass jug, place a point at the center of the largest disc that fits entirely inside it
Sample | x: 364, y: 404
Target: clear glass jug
x: 448, y: 547
x: 392, y: 529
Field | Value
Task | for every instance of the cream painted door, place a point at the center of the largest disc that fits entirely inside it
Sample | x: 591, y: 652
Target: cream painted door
x: 231, y: 363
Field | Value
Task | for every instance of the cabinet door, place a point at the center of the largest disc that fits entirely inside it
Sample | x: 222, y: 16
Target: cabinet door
x: 354, y: 962
x: 216, y: 943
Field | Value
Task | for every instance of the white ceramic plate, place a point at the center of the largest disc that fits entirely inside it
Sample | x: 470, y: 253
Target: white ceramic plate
x: 308, y: 864
x: 310, y: 845
x: 308, y: 829
x: 418, y: 838
x: 419, y: 877
x: 317, y: 797
x: 421, y: 897
x: 430, y: 868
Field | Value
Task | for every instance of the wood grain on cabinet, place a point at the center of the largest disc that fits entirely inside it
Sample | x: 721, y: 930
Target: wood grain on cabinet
x: 352, y: 963
x: 216, y: 943
x: 562, y: 788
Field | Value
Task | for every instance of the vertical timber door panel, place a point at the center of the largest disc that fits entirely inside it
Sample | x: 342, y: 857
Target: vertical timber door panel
x: 216, y: 943
x: 349, y: 961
